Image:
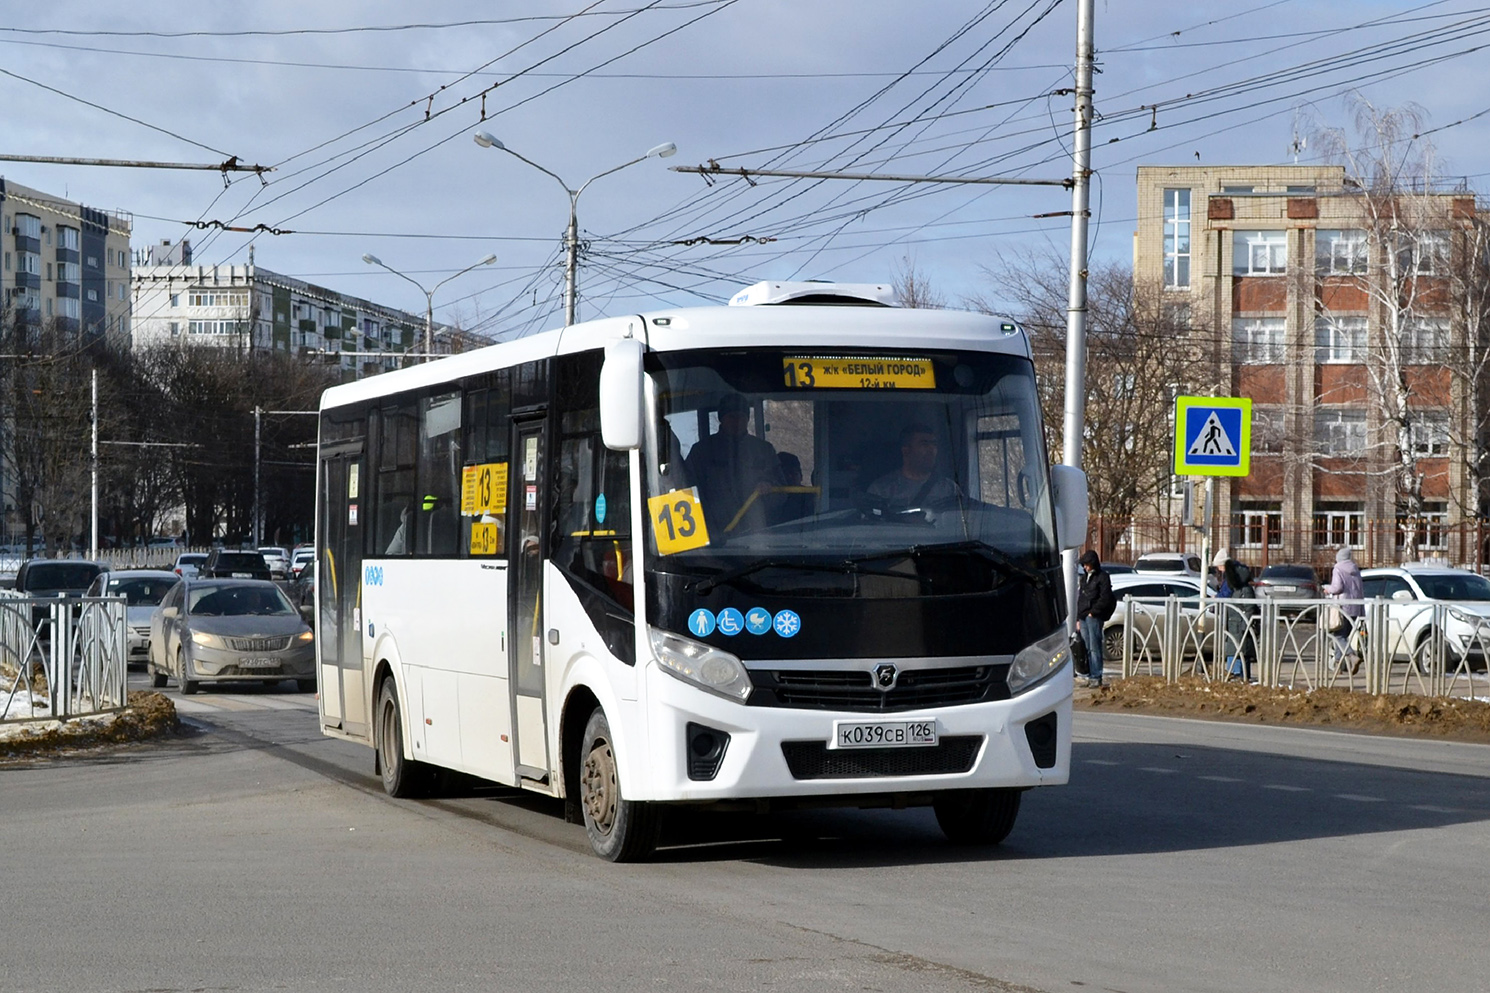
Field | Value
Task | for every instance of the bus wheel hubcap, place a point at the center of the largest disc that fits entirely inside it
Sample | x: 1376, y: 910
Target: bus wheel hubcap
x: 598, y: 787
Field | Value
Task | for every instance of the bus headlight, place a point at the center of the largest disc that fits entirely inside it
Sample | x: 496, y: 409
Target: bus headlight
x: 702, y: 665
x: 1039, y: 660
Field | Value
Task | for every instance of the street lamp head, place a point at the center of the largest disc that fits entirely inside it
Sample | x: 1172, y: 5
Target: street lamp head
x: 487, y: 140
x: 372, y: 260
x: 662, y: 151
x: 488, y: 260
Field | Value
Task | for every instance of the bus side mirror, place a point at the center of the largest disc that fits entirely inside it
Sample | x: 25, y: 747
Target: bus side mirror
x: 1068, y: 491
x: 621, y: 395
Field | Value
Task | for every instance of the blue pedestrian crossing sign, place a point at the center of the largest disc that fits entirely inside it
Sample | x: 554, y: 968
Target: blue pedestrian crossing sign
x: 1212, y: 436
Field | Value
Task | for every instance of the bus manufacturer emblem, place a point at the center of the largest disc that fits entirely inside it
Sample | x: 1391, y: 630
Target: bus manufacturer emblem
x: 884, y: 677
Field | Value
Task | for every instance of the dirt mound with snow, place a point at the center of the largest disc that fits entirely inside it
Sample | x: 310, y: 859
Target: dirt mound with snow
x: 1398, y: 714
x: 149, y: 715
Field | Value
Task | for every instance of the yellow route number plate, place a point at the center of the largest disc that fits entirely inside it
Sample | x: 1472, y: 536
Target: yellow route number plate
x: 483, y: 489
x: 843, y: 372
x: 677, y: 521
x: 485, y: 538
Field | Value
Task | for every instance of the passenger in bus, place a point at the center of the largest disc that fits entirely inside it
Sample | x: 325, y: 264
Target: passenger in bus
x: 792, y: 506
x: 399, y: 543
x: 916, y: 484
x: 733, y: 468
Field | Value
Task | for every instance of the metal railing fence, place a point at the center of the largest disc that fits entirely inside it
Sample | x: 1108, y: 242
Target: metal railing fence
x: 1431, y: 648
x: 61, y: 658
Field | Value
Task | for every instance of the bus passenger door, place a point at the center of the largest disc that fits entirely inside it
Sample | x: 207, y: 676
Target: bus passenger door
x: 528, y: 498
x: 338, y: 587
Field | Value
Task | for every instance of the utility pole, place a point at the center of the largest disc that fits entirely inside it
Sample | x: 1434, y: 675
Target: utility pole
x: 93, y: 532
x: 1081, y: 170
x: 258, y: 422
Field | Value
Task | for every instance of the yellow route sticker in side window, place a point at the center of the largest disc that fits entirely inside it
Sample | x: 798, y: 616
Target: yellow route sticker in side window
x: 485, y: 538
x: 857, y: 372
x: 483, y: 489
x: 677, y: 521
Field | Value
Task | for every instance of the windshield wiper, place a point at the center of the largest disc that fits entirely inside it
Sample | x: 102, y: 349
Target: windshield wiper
x: 1000, y: 561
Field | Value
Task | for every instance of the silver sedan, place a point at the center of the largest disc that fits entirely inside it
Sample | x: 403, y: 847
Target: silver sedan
x: 230, y: 630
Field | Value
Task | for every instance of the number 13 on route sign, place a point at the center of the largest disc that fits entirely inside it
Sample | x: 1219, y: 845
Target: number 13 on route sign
x: 677, y: 521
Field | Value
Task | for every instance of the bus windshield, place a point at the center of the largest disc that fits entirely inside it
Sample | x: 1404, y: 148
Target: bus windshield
x: 835, y: 473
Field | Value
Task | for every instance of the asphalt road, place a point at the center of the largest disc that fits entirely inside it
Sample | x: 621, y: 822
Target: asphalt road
x: 1184, y: 856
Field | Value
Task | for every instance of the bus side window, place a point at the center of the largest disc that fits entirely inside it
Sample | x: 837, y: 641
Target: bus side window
x: 483, y: 533
x: 592, y: 523
x: 394, y: 523
x: 439, y: 474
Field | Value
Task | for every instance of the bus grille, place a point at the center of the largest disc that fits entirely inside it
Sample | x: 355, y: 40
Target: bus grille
x: 814, y: 760
x: 854, y: 689
x: 259, y: 644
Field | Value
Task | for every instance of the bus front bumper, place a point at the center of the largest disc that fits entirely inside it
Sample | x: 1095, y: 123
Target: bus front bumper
x: 786, y: 752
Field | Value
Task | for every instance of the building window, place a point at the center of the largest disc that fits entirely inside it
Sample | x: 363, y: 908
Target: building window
x: 68, y: 238
x: 7, y: 262
x: 1425, y: 253
x: 1176, y: 239
x: 216, y: 298
x: 1340, y: 252
x: 214, y: 327
x: 93, y: 262
x: 1428, y: 528
x: 1259, y: 253
x: 1338, y: 431
x: 69, y: 272
x: 28, y: 226
x: 1425, y: 340
x: 1241, y: 190
x: 92, y: 295
x: 1339, y: 524
x: 1339, y: 339
x: 1267, y: 430
x: 69, y: 307
x: 1429, y: 432
x: 49, y: 306
x: 49, y: 272
x: 175, y: 328
x: 1258, y: 340
x: 28, y: 262
x: 1257, y: 523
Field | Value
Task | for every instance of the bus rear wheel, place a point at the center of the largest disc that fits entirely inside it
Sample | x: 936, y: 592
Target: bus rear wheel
x: 402, y: 778
x: 620, y: 830
x: 977, y: 817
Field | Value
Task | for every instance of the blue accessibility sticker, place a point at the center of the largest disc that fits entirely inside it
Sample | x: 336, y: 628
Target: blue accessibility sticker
x: 757, y: 620
x: 787, y: 623
x: 701, y: 623
x: 731, y: 622
x: 600, y: 509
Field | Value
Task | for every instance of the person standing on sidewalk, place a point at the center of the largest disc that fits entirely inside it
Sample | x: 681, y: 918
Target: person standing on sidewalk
x: 1345, y: 584
x: 1094, y: 605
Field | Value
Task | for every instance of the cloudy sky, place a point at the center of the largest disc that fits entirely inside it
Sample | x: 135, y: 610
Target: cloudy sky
x: 366, y: 111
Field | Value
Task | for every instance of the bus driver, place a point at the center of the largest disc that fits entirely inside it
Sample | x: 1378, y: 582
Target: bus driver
x: 916, y: 484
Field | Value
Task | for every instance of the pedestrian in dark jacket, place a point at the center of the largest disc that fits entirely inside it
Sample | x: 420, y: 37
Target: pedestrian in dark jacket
x: 1240, y: 647
x: 1094, y: 605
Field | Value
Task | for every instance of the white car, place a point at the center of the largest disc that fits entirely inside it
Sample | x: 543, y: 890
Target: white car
x: 1148, y: 618
x: 188, y: 564
x: 142, y: 589
x: 278, y: 561
x: 299, y: 559
x: 1413, y: 591
x: 1169, y: 564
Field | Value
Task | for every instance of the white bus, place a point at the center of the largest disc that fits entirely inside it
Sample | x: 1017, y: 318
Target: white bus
x: 773, y: 554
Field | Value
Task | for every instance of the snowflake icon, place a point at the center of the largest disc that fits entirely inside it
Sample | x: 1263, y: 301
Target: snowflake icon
x: 787, y: 623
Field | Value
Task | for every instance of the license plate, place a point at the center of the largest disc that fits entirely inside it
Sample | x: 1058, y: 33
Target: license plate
x: 243, y: 575
x: 257, y: 663
x: 1285, y: 589
x: 884, y: 734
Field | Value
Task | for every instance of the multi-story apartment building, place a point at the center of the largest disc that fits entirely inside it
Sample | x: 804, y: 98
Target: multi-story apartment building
x: 249, y: 308
x: 1282, y: 274
x: 64, y: 261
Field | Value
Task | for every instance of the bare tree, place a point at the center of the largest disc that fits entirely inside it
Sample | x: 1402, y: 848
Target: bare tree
x: 913, y: 288
x: 1139, y: 357
x: 1405, y: 276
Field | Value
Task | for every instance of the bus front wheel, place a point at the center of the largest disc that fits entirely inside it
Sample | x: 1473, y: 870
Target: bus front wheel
x: 402, y: 778
x: 977, y: 817
x: 620, y: 830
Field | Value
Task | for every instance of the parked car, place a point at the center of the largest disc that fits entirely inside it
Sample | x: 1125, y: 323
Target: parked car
x: 68, y: 578
x: 278, y: 560
x: 142, y: 589
x: 1287, y: 582
x: 232, y: 563
x: 214, y: 630
x: 1149, y: 617
x: 189, y: 564
x: 300, y: 558
x: 1169, y: 564
x: 1412, y: 590
x: 304, y: 590
x: 1117, y: 569
x: 160, y: 541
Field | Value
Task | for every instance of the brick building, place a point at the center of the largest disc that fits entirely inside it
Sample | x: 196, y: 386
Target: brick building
x: 1280, y: 273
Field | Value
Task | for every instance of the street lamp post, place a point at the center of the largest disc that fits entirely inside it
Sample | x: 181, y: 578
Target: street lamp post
x: 429, y: 295
x: 571, y: 236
